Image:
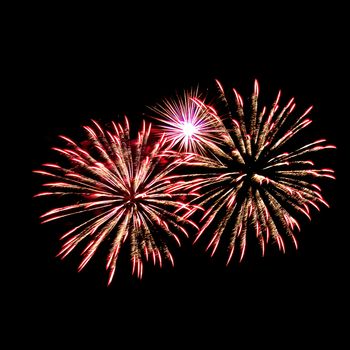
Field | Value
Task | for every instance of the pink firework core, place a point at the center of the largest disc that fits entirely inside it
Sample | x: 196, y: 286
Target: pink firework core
x: 189, y: 129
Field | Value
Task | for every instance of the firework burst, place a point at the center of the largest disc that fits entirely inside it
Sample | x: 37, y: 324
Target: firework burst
x: 188, y: 124
x: 254, y: 184
x: 120, y: 189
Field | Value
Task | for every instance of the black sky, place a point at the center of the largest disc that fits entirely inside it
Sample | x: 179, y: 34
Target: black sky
x: 80, y: 68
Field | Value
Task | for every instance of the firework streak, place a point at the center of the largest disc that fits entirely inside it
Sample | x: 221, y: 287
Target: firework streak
x: 122, y: 191
x: 252, y: 183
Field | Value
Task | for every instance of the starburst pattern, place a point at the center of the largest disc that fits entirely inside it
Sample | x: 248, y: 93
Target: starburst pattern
x: 120, y: 189
x: 255, y: 183
x: 188, y: 126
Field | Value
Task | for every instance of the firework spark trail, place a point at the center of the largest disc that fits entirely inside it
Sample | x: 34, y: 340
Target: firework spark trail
x: 189, y: 124
x: 123, y: 191
x: 252, y: 184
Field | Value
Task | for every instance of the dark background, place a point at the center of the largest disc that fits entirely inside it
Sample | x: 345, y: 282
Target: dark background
x: 80, y: 66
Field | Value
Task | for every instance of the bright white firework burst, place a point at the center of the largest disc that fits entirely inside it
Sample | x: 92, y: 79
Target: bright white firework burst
x: 254, y: 183
x: 120, y: 188
x: 187, y: 125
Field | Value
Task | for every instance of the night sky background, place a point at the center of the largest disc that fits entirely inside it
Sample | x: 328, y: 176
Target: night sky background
x: 81, y: 66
